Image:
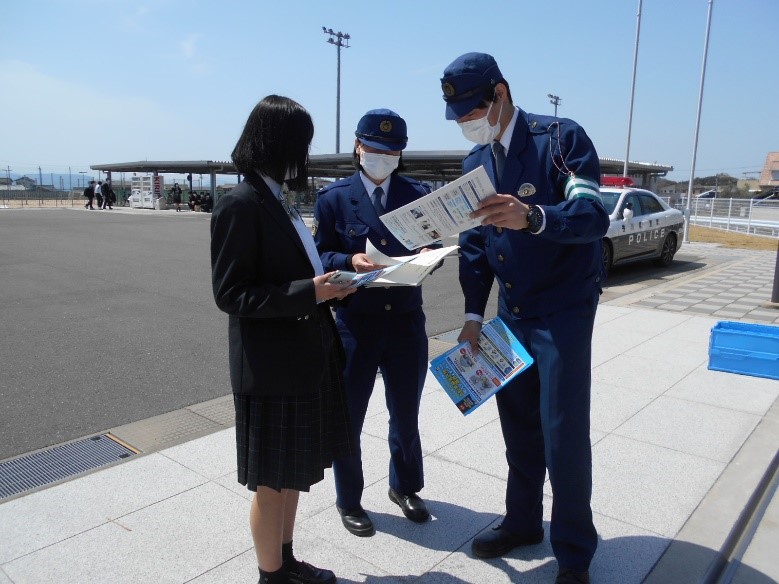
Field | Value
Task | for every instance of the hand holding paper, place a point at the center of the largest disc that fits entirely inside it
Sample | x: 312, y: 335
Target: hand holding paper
x: 400, y: 271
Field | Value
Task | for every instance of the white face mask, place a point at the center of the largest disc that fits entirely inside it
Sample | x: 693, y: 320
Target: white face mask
x: 378, y: 166
x: 479, y: 130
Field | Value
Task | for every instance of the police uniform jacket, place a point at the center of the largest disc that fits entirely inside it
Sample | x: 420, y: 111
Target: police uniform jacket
x: 560, y: 266
x: 262, y: 278
x: 346, y: 219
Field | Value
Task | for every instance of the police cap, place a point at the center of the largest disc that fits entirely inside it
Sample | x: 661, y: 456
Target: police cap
x: 465, y: 80
x: 382, y: 129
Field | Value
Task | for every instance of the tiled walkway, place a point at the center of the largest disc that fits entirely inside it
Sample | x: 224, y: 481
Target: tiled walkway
x: 739, y: 289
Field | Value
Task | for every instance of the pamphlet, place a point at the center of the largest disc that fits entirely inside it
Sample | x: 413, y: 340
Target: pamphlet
x: 399, y: 271
x: 444, y: 212
x: 471, y: 380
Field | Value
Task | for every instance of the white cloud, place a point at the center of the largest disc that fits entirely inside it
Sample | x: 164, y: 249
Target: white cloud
x: 188, y: 47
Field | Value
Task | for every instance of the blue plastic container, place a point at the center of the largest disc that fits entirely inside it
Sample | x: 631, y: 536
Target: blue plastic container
x: 745, y: 348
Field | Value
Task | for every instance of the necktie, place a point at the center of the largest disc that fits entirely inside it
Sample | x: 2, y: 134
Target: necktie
x: 376, y: 198
x: 500, y: 159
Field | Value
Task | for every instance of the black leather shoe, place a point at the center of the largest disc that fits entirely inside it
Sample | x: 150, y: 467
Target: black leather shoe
x: 356, y: 521
x: 413, y: 506
x: 302, y: 573
x: 498, y: 542
x: 566, y: 576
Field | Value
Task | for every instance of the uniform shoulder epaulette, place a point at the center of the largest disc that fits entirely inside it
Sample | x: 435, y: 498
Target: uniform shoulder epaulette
x: 330, y: 187
x: 539, y: 124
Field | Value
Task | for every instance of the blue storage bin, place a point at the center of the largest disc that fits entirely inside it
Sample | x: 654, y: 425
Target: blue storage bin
x: 745, y: 348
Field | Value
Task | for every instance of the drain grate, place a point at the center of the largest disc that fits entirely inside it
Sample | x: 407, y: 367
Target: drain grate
x: 59, y: 462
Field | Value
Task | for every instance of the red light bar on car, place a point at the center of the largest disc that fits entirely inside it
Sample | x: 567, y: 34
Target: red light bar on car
x: 617, y: 181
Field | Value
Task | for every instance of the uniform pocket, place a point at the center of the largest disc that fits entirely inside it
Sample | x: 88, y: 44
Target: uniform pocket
x: 353, y: 236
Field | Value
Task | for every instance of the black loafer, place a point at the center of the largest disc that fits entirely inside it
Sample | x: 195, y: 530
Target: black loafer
x: 566, y: 576
x: 498, y: 542
x: 356, y: 521
x: 413, y: 506
x: 303, y: 573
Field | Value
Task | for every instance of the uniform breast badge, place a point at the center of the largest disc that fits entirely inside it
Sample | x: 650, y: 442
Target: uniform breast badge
x: 526, y: 190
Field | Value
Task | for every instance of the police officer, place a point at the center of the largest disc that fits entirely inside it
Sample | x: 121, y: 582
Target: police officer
x: 540, y: 239
x: 381, y: 328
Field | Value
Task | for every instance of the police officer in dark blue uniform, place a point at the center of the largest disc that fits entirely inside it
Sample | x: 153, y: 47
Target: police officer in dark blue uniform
x: 381, y: 328
x: 540, y: 240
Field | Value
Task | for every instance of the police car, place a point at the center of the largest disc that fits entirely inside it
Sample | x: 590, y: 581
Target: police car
x: 642, y: 225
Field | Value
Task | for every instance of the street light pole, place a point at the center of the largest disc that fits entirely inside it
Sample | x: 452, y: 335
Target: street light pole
x: 632, y: 89
x: 697, y: 125
x: 554, y: 100
x: 338, y: 39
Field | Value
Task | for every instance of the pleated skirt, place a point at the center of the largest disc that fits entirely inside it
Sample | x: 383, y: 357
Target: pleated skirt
x: 288, y: 442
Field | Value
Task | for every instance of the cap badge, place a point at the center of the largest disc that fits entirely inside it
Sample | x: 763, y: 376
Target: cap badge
x: 385, y: 126
x: 448, y: 89
x: 526, y: 190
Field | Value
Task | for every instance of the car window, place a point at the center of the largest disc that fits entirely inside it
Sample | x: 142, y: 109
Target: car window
x: 632, y: 202
x: 610, y: 199
x: 650, y: 204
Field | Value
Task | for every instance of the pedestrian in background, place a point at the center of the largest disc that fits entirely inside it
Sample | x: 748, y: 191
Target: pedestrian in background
x: 540, y: 238
x: 285, y: 355
x: 109, y: 197
x: 99, y: 194
x: 177, y: 196
x: 382, y: 329
x: 89, y: 193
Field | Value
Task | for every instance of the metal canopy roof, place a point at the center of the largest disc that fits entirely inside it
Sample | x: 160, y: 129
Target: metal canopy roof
x: 430, y: 165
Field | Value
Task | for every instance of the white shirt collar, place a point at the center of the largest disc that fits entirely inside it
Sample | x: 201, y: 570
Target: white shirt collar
x: 274, y: 187
x: 505, y: 139
x: 370, y: 186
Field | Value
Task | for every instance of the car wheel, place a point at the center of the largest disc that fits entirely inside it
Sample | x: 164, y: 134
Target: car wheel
x: 608, y: 258
x: 667, y: 252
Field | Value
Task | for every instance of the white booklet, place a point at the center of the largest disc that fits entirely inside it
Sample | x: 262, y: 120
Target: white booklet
x: 444, y: 212
x: 400, y: 271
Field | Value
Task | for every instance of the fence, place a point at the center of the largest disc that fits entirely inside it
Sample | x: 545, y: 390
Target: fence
x: 750, y: 216
x: 47, y: 198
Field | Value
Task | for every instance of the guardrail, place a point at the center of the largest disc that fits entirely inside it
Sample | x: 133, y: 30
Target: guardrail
x: 751, y: 216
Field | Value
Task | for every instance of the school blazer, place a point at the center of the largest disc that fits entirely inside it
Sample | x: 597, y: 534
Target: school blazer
x: 262, y: 278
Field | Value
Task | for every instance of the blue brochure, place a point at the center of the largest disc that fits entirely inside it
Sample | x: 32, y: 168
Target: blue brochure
x: 470, y: 379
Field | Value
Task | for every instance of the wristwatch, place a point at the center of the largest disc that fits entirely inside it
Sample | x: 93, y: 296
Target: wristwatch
x: 535, y: 219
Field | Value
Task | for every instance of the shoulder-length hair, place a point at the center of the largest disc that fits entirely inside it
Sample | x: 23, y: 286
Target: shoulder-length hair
x: 275, y: 140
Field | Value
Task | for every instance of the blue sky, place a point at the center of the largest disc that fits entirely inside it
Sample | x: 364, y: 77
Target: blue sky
x: 99, y: 81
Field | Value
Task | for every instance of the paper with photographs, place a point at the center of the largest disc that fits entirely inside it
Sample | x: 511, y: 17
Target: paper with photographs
x: 444, y: 212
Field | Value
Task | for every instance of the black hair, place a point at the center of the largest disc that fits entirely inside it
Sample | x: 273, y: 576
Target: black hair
x: 489, y: 94
x: 276, y: 138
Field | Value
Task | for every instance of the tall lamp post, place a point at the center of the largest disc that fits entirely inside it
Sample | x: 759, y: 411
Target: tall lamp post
x: 632, y: 89
x: 697, y: 125
x: 555, y: 101
x: 339, y: 39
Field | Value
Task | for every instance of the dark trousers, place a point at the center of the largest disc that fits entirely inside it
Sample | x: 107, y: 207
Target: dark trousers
x: 395, y: 344
x: 545, y: 419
